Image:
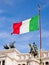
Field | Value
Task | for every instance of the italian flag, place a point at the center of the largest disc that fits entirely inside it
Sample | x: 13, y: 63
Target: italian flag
x: 25, y: 26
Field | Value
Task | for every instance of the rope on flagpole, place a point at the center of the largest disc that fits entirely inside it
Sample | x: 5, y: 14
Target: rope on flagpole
x: 39, y: 9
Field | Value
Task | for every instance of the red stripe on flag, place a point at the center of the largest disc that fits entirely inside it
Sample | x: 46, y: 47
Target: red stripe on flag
x: 16, y: 28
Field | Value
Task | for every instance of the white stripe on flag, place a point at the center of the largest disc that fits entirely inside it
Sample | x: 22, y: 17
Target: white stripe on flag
x: 25, y: 26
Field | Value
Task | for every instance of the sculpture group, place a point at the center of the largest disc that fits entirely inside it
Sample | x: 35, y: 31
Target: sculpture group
x: 33, y: 49
x: 11, y: 45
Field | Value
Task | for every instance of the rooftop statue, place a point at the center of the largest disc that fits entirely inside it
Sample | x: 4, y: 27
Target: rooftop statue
x: 12, y: 45
x: 33, y: 49
x: 6, y: 46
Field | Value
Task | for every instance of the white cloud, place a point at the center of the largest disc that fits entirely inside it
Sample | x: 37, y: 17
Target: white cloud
x: 45, y: 34
x: 23, y: 48
x: 3, y: 35
x: 46, y: 5
x: 11, y: 2
x: 8, y: 2
x: 25, y: 37
x: 5, y: 20
x: 1, y: 11
x: 2, y: 21
x: 2, y: 18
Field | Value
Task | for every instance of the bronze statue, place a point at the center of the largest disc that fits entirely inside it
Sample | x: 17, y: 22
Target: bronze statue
x: 6, y: 46
x: 33, y: 49
x: 11, y: 45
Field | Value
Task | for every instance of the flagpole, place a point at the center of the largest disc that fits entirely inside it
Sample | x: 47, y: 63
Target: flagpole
x: 40, y: 36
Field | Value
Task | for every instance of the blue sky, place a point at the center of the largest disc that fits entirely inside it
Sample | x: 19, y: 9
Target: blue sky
x: 12, y: 11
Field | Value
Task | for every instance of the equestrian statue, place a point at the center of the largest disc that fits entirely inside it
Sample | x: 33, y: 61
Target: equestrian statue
x: 33, y: 49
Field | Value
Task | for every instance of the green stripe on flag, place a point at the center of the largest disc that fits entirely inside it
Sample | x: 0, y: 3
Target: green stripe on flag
x: 34, y: 23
